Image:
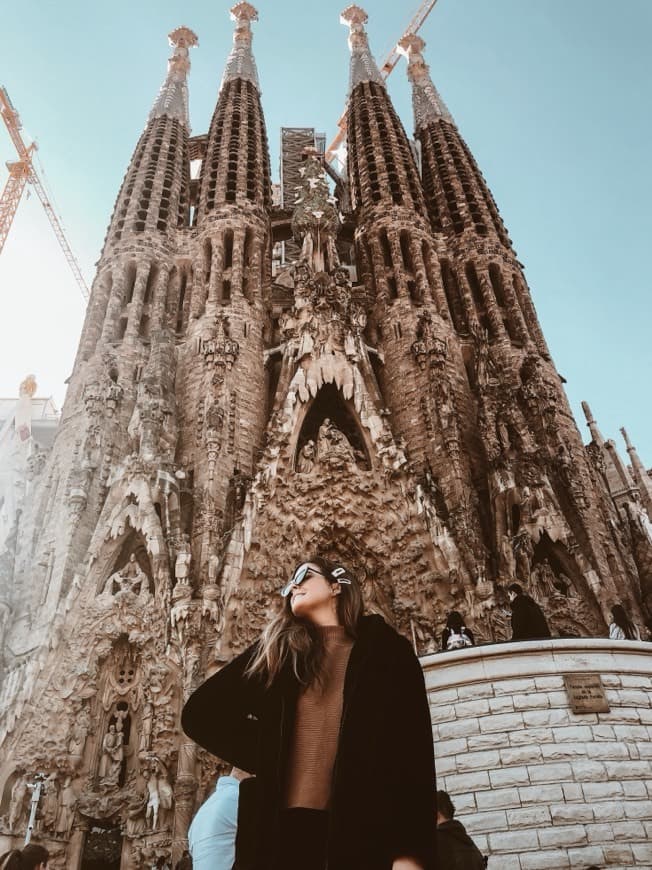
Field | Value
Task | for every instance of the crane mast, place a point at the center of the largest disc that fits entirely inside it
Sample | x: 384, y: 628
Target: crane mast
x: 22, y: 172
x: 390, y: 62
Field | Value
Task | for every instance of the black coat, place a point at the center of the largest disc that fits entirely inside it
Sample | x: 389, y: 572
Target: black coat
x: 528, y: 621
x: 383, y: 793
x: 455, y: 849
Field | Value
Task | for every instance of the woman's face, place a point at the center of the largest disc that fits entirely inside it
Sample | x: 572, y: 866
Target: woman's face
x: 315, y: 598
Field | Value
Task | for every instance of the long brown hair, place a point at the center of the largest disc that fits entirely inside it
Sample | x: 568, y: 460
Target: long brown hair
x: 26, y: 859
x: 298, y: 641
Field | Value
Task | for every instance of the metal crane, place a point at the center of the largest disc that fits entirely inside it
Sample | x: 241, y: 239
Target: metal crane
x: 22, y: 172
x: 390, y: 62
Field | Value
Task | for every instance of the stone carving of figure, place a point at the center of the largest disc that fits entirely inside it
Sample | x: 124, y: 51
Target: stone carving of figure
x: 136, y: 809
x: 17, y: 803
x: 507, y: 557
x: 307, y: 457
x: 130, y: 580
x: 66, y: 811
x: 146, y: 727
x: 214, y: 565
x: 523, y: 552
x: 183, y: 560
x: 333, y: 445
x: 166, y: 798
x: 153, y: 801
x: 50, y: 805
x: 112, y: 756
x: 78, y: 734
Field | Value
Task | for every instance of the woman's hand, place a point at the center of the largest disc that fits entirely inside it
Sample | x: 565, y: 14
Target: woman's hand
x: 406, y: 864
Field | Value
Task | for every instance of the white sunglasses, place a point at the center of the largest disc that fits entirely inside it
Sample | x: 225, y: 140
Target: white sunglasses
x: 300, y: 574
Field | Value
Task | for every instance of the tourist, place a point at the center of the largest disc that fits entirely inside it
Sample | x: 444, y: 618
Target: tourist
x: 211, y: 837
x: 455, y: 849
x: 312, y: 710
x: 528, y: 621
x: 622, y: 628
x: 32, y: 857
x: 456, y: 635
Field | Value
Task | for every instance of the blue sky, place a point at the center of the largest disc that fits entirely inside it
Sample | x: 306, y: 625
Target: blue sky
x: 552, y: 96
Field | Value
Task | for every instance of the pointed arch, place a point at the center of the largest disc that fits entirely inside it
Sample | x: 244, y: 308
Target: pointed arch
x: 330, y: 404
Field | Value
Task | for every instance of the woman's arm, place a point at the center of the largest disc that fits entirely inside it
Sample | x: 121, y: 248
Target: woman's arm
x: 222, y: 715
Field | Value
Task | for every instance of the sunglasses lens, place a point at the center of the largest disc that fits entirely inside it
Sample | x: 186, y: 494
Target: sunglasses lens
x: 297, y: 578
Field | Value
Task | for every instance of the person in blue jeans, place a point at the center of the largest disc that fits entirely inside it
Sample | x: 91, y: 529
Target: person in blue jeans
x: 211, y: 837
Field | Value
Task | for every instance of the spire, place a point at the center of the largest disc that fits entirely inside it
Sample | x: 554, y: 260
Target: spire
x: 639, y: 472
x: 241, y: 63
x: 428, y: 105
x: 363, y: 65
x: 593, y: 426
x: 172, y: 100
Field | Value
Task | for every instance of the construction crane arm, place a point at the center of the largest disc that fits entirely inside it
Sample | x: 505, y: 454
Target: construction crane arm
x: 58, y: 231
x: 20, y: 173
x: 390, y: 62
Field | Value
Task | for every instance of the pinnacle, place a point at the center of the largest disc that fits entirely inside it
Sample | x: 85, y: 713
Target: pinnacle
x: 241, y: 63
x: 426, y: 101
x: 172, y: 99
x: 363, y: 65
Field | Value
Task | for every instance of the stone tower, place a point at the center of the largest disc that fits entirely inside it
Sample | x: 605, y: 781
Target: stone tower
x: 387, y: 398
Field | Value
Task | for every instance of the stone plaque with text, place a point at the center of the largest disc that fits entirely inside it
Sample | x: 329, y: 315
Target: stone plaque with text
x: 586, y: 693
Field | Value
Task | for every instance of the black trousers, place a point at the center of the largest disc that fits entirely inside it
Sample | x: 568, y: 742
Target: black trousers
x: 303, y: 842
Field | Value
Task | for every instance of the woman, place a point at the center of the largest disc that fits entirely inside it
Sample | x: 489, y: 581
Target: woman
x: 318, y: 709
x: 32, y: 857
x: 456, y: 635
x: 622, y: 628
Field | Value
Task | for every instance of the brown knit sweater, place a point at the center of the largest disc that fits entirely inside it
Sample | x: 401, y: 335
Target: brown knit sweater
x: 317, y: 725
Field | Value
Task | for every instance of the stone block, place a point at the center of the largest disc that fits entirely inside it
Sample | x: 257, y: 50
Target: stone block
x: 450, y: 747
x: 635, y: 681
x: 475, y: 691
x: 570, y: 813
x: 608, y: 811
x: 443, y: 713
x: 540, y: 794
x: 510, y: 776
x: 439, y: 697
x: 504, y: 862
x: 629, y: 769
x: 603, y: 732
x: 527, y: 736
x: 563, y: 751
x: 642, y: 854
x: 604, y: 750
x: 467, y: 782
x: 531, y: 701
x: 549, y: 772
x: 502, y: 704
x: 634, y: 733
x: 520, y: 755
x: 466, y: 802
x: 528, y: 817
x: 486, y: 822
x: 513, y: 841
x: 446, y: 765
x: 558, y: 699
x: 588, y: 771
x: 628, y: 831
x: 572, y: 791
x: 543, y: 718
x: 573, y: 733
x: 550, y: 859
x: 477, y: 707
x: 512, y: 687
x: 501, y: 798
x: 599, y: 833
x: 597, y: 791
x: 562, y: 835
x: 463, y: 728
x: 504, y: 722
x: 477, y: 761
x: 633, y: 698
x: 638, y: 809
x: 487, y: 741
x: 586, y: 857
x: 634, y: 789
x: 618, y: 854
x: 549, y: 683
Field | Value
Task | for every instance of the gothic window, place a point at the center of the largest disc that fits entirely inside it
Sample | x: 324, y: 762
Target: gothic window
x: 151, y: 281
x: 130, y: 283
x: 476, y: 292
x: 246, y: 263
x: 496, y: 278
x: 208, y: 261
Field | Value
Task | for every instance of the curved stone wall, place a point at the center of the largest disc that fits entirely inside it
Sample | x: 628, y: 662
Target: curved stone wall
x: 536, y: 785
